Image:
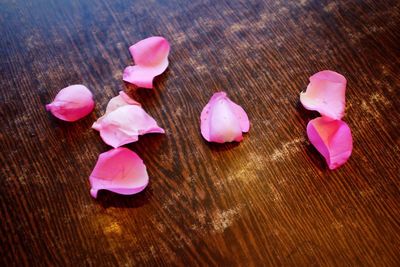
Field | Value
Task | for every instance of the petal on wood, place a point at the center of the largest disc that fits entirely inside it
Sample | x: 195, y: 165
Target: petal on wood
x: 119, y: 170
x: 332, y: 138
x: 151, y: 59
x: 326, y: 94
x: 72, y: 103
x: 223, y: 120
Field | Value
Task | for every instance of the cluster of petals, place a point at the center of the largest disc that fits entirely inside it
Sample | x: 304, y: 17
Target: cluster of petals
x: 151, y: 59
x: 121, y: 170
x: 329, y: 134
x: 222, y: 120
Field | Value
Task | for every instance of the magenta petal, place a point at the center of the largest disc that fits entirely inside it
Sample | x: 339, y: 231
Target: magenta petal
x: 119, y: 170
x: 124, y: 125
x: 151, y: 59
x: 332, y: 138
x: 223, y: 120
x: 72, y: 103
x: 326, y: 94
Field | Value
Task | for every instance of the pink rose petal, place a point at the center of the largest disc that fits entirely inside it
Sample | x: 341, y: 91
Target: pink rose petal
x: 72, y: 103
x: 332, y: 138
x: 119, y: 170
x: 326, y: 94
x: 121, y: 100
x: 124, y: 121
x: 223, y: 120
x: 151, y: 59
x: 118, y: 101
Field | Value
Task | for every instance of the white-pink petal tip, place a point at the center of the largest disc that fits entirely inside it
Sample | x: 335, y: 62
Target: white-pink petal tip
x: 332, y: 138
x: 119, y: 170
x: 223, y: 120
x: 72, y: 103
x: 151, y: 59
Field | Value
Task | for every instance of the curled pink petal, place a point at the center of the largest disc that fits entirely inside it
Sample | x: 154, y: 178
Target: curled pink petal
x: 326, y: 94
x: 119, y: 170
x: 72, y: 103
x: 223, y: 120
x: 332, y: 138
x: 124, y: 125
x: 151, y: 59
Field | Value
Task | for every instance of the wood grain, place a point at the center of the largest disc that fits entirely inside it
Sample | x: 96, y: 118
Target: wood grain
x: 268, y: 201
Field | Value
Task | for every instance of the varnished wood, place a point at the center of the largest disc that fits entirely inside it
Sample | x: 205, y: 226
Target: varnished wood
x: 269, y: 200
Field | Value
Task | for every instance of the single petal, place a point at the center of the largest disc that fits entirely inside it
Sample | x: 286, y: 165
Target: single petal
x: 332, y: 138
x: 150, y: 52
x: 140, y: 76
x: 121, y: 100
x: 124, y: 125
x: 151, y: 59
x: 326, y: 94
x: 223, y: 120
x: 72, y: 103
x: 118, y: 101
x: 119, y: 170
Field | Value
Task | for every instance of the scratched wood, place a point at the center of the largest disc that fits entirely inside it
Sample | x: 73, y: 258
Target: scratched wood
x: 269, y: 200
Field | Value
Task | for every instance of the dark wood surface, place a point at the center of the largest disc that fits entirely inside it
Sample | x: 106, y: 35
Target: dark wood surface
x: 269, y: 200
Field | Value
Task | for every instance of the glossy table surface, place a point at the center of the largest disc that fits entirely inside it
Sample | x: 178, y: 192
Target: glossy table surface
x: 267, y: 201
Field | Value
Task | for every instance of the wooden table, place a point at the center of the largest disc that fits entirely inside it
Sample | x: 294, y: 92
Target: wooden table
x: 269, y: 200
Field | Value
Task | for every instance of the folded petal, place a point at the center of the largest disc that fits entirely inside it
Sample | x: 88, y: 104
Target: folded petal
x: 119, y: 170
x: 332, y: 138
x: 326, y: 94
x: 124, y: 125
x: 151, y: 59
x: 72, y: 103
x: 121, y: 100
x: 223, y: 120
x: 118, y: 101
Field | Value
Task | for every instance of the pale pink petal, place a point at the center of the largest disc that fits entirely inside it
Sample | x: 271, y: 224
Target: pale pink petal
x: 151, y: 59
x: 326, y: 94
x: 140, y: 76
x: 72, y: 103
x: 118, y: 101
x: 241, y: 115
x: 223, y: 120
x: 332, y: 138
x: 124, y: 125
x: 119, y: 170
x: 121, y: 100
